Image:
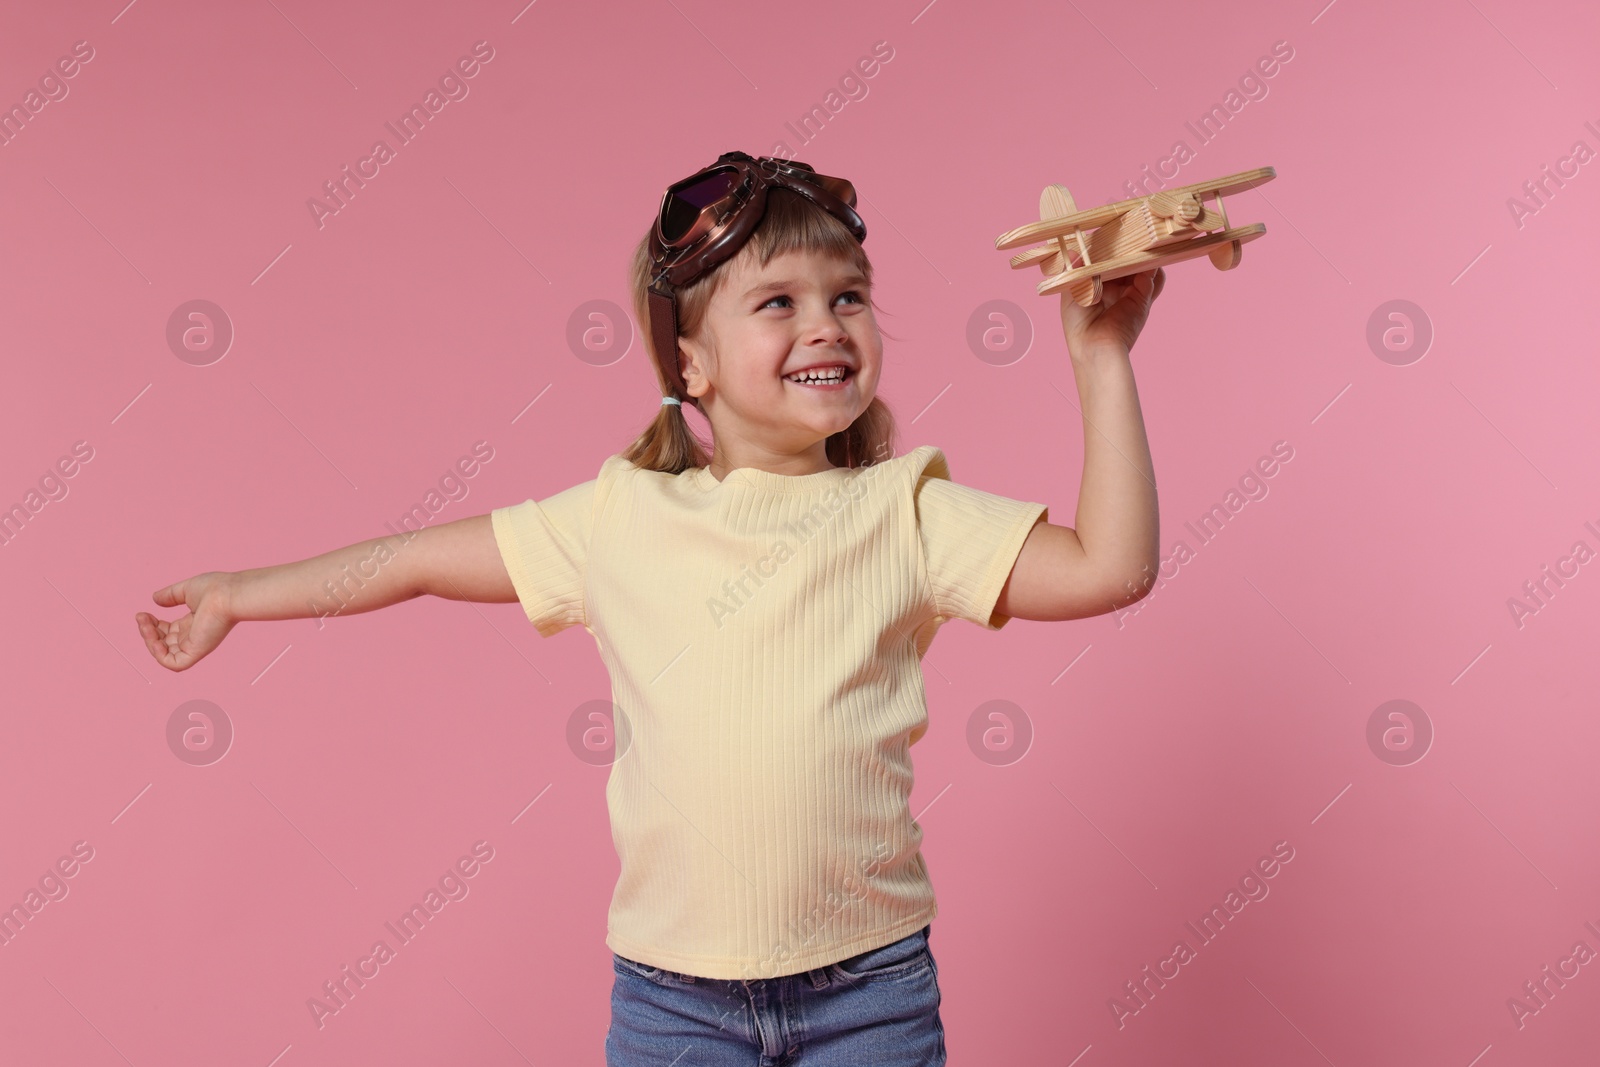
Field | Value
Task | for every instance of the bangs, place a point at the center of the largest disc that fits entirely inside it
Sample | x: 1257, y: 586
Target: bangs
x: 794, y: 224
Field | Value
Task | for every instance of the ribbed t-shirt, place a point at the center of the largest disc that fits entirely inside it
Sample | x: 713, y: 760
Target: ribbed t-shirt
x: 763, y: 635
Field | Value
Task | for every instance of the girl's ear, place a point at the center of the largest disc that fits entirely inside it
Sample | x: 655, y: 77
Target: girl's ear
x: 693, y: 363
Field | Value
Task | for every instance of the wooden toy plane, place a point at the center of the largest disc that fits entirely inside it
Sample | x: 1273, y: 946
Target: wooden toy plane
x: 1131, y: 236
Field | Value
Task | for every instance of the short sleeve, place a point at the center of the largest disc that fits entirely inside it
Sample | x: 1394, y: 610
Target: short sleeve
x: 970, y: 540
x: 545, y: 546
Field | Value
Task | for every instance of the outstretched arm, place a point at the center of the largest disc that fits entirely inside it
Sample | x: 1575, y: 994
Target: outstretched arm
x: 1110, y: 558
x: 455, y: 560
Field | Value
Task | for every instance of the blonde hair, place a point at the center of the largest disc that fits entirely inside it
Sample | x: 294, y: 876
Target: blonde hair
x: 791, y: 224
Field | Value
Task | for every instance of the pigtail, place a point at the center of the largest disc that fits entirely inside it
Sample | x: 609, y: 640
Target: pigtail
x: 868, y: 440
x: 668, y: 444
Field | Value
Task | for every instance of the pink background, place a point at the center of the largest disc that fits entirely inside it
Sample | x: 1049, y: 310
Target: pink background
x: 370, y: 354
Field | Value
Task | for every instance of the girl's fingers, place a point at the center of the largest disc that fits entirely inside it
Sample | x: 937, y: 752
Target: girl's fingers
x: 155, y: 641
x: 165, y: 639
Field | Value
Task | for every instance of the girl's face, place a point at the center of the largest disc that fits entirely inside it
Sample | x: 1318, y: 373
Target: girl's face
x: 802, y: 310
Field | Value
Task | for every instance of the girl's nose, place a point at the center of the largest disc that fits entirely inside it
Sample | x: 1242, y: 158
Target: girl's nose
x: 828, y: 329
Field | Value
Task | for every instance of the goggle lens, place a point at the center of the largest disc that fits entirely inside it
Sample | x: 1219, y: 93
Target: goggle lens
x: 684, y: 204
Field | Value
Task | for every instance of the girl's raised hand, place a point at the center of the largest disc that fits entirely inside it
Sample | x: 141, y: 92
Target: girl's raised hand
x: 1115, y: 322
x: 181, y: 644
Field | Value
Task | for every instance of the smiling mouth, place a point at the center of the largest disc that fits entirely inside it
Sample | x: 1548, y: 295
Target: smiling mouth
x: 826, y: 378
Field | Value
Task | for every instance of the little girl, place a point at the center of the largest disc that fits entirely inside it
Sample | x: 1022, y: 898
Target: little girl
x: 762, y: 611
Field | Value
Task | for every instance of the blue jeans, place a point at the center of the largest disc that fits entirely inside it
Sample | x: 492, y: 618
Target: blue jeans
x: 879, y: 1008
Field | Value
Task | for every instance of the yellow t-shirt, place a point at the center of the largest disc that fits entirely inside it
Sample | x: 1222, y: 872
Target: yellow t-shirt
x: 763, y: 635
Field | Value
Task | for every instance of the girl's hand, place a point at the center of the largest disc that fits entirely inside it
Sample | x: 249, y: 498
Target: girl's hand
x: 181, y: 644
x: 1115, y: 322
